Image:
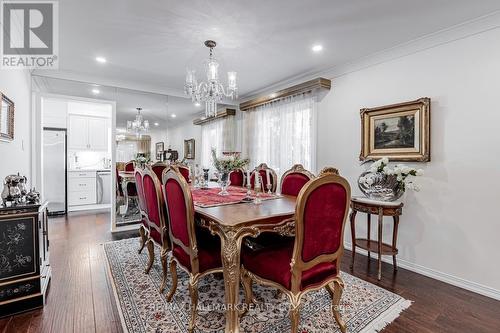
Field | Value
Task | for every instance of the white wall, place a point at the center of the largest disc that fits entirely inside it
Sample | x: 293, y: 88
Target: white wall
x: 184, y: 131
x: 450, y: 229
x: 157, y: 135
x: 16, y: 154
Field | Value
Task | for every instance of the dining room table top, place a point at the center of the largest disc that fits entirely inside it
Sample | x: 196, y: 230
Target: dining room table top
x: 245, y: 213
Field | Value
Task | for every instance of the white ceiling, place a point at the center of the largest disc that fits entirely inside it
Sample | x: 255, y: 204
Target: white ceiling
x: 150, y: 43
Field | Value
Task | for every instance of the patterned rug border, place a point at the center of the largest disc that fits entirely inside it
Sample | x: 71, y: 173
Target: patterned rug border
x: 376, y: 325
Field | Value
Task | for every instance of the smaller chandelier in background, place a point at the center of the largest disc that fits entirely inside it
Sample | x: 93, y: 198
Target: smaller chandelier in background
x: 138, y: 125
x: 212, y: 91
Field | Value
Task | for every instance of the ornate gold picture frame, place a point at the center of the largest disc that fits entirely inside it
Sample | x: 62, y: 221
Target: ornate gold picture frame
x: 6, y: 118
x: 189, y: 149
x: 398, y: 131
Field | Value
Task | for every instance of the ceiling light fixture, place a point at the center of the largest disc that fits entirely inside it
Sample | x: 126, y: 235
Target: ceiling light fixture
x: 156, y: 124
x: 173, y: 115
x: 96, y: 91
x: 138, y: 125
x: 211, y: 91
x: 101, y: 60
x: 317, y: 48
x: 197, y: 104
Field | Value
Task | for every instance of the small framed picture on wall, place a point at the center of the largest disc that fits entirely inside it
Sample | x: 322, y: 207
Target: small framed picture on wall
x: 399, y: 131
x: 189, y: 151
x: 159, y: 148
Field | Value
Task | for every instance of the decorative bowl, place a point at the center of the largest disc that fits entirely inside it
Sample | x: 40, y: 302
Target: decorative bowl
x: 384, y: 187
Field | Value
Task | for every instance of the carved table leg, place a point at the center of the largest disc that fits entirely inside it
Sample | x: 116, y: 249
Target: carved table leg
x: 353, y: 235
x: 125, y: 195
x: 394, y: 241
x: 230, y: 253
x: 380, y: 223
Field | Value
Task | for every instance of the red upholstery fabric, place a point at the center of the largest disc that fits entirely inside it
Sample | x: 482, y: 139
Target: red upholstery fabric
x: 208, y: 253
x: 185, y: 173
x: 155, y: 235
x: 293, y: 183
x: 236, y: 177
x: 158, y: 170
x: 273, y: 263
x: 264, y: 179
x: 323, y: 217
x: 129, y: 166
x: 177, y: 211
x: 140, y: 192
x: 151, y: 197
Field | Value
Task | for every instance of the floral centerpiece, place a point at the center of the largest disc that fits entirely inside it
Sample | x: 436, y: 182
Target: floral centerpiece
x: 382, y: 182
x: 224, y: 165
x: 142, y: 159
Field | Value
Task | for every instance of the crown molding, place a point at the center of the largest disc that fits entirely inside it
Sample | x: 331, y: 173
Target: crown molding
x: 460, y: 31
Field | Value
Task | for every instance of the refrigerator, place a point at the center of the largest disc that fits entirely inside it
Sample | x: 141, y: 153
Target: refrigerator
x: 54, y: 170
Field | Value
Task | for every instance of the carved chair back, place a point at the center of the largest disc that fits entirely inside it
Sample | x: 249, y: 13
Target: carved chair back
x: 261, y: 170
x: 237, y: 177
x: 158, y: 168
x: 320, y: 216
x: 180, y: 208
x: 130, y: 166
x: 294, y: 179
x: 155, y: 206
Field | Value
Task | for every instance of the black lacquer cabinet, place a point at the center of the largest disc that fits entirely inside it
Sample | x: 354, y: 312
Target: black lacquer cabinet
x: 24, y: 258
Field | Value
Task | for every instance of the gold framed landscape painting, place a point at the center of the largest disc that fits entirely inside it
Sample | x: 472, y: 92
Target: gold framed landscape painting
x: 399, y: 131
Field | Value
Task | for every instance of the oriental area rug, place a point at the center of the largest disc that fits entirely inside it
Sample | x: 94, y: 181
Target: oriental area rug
x: 365, y: 307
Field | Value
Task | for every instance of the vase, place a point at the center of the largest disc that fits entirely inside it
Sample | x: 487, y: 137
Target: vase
x: 224, y: 182
x: 384, y: 187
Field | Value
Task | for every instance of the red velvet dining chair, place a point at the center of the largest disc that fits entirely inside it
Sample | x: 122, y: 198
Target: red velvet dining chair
x: 312, y: 260
x: 237, y: 177
x: 130, y: 166
x: 144, y: 227
x: 157, y: 221
x: 158, y: 168
x: 184, y: 170
x: 273, y: 177
x: 294, y: 179
x: 197, y: 253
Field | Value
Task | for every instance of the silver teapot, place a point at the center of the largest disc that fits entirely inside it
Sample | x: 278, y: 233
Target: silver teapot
x: 12, y: 191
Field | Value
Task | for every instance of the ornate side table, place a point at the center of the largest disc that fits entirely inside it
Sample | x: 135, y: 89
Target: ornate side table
x: 381, y: 209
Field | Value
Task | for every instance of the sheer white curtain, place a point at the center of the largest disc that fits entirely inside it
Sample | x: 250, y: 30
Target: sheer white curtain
x: 218, y: 134
x: 282, y: 133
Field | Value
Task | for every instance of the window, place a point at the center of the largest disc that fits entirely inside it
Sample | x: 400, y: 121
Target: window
x: 218, y: 134
x: 282, y: 133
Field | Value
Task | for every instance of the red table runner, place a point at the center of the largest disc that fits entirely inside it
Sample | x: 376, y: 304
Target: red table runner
x: 210, y: 197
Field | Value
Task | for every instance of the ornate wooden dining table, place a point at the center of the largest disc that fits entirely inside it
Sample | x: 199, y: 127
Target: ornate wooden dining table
x: 232, y: 223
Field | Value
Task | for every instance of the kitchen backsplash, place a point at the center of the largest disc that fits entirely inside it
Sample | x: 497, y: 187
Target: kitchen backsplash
x: 88, y: 160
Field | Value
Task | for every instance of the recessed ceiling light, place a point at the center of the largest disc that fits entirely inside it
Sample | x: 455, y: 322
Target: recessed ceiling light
x: 197, y: 104
x: 317, y: 48
x: 173, y: 115
x: 156, y: 124
x: 101, y: 60
x: 273, y: 95
x: 96, y: 91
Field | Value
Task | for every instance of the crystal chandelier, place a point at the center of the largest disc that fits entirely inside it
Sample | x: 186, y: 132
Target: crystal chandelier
x: 138, y: 125
x: 211, y: 91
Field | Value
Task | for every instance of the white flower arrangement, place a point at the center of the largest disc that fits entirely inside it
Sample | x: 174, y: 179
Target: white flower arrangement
x: 403, y: 173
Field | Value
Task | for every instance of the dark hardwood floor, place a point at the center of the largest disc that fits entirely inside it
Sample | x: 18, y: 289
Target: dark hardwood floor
x: 81, y: 299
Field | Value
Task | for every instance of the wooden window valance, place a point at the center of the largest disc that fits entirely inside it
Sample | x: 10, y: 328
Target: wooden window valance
x: 226, y: 112
x: 319, y: 84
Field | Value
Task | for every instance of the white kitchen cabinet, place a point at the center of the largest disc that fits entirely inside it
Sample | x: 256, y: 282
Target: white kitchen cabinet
x: 87, y: 133
x: 81, y: 188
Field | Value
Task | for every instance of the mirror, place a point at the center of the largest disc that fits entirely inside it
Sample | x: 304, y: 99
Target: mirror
x: 6, y: 118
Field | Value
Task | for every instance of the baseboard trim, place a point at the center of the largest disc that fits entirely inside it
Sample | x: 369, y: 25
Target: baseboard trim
x: 434, y: 274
